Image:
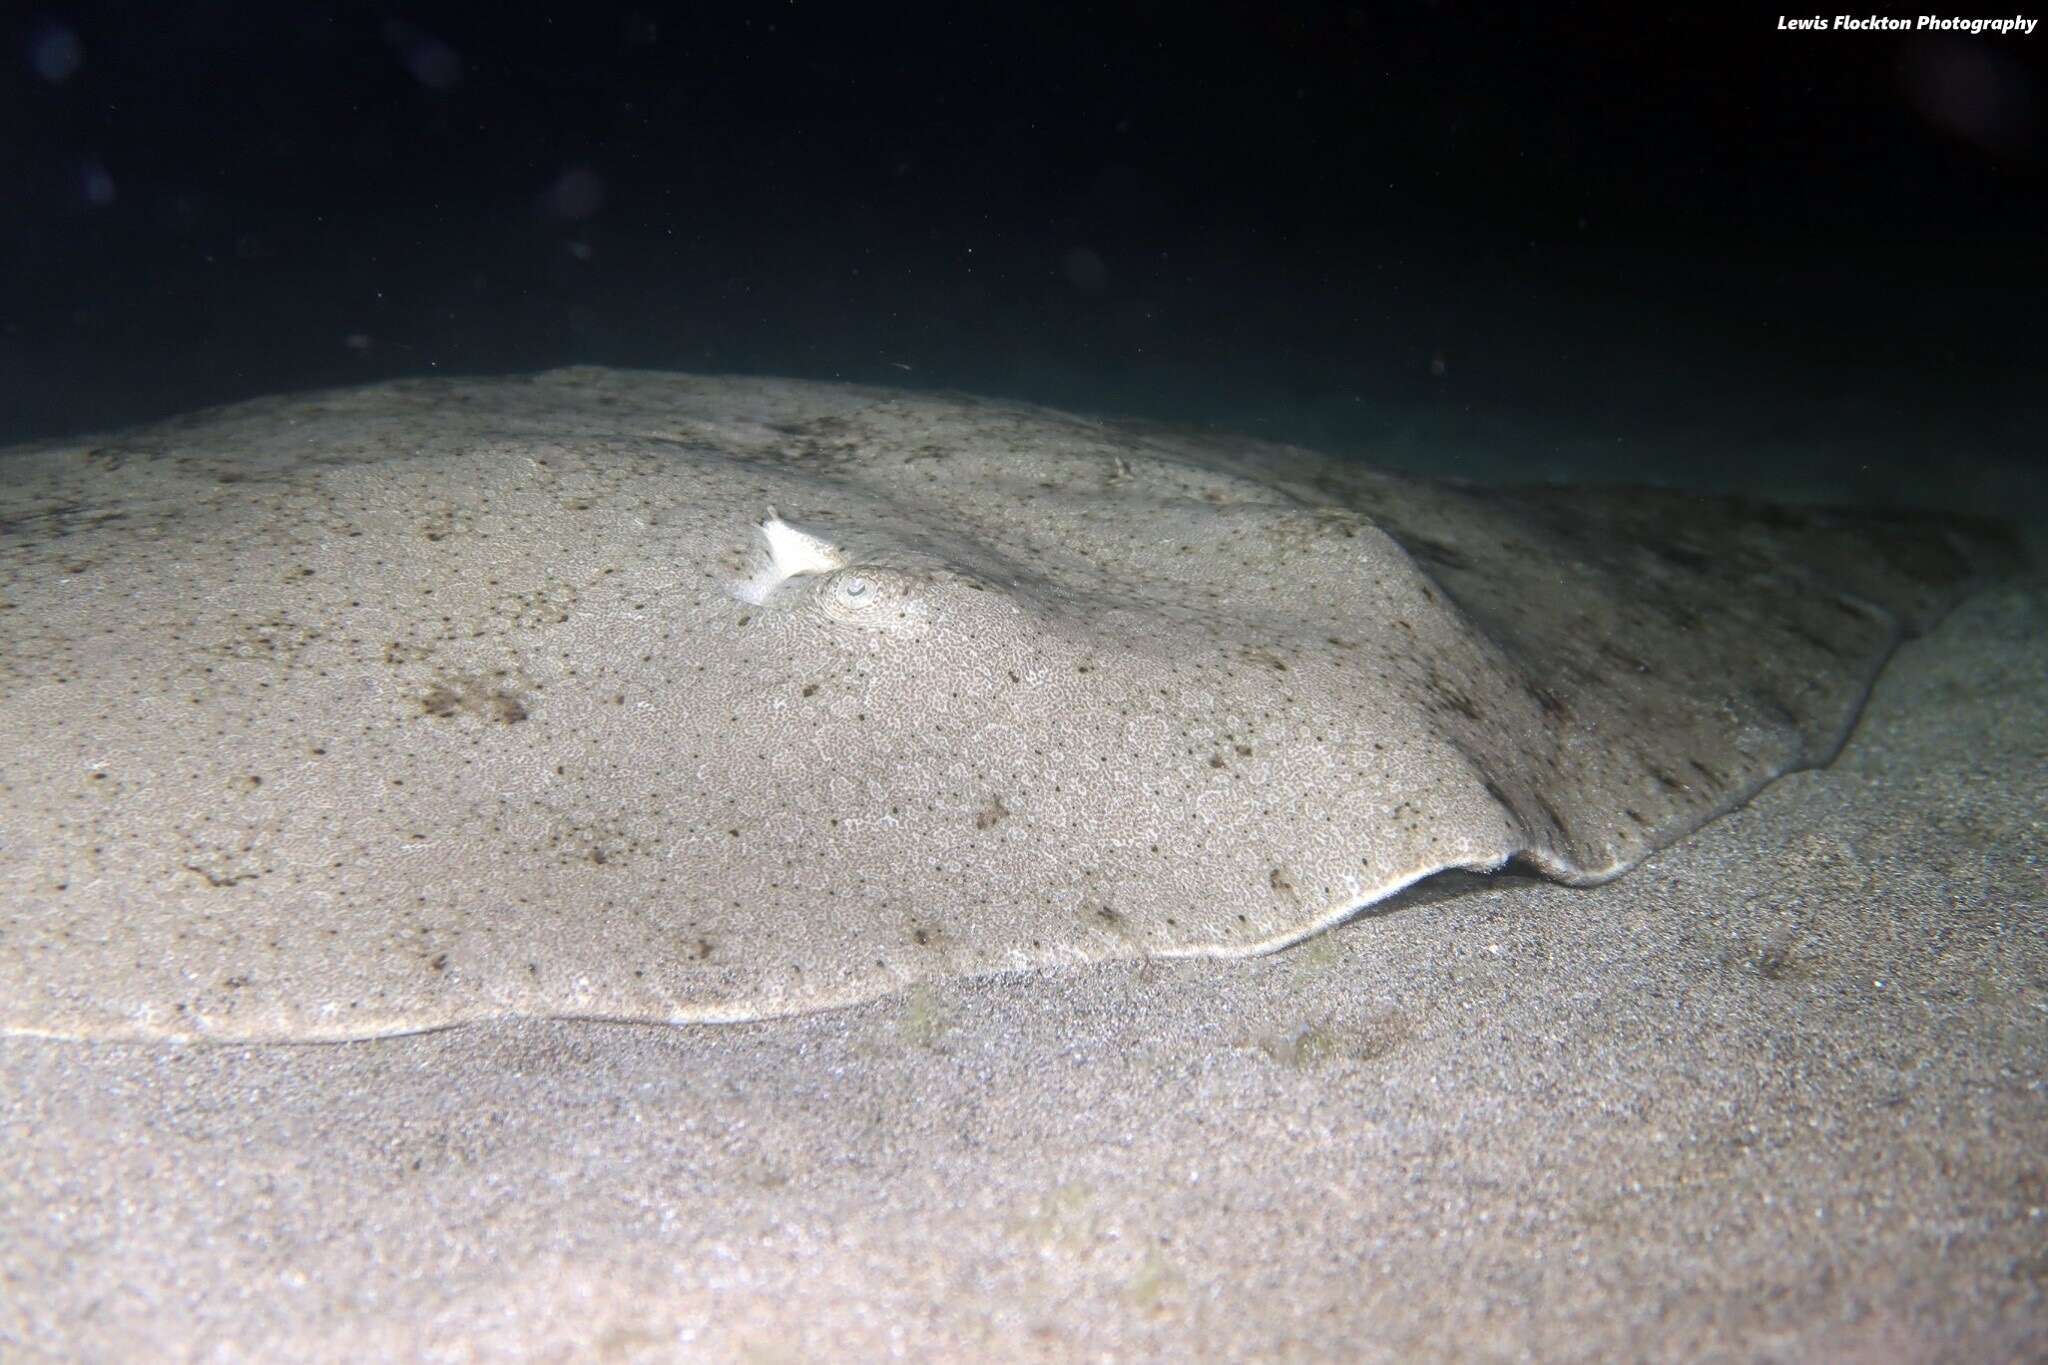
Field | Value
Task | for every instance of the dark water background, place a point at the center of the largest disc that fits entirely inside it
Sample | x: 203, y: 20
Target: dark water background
x: 1577, y: 241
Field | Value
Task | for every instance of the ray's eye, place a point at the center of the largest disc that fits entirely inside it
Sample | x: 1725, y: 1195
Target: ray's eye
x: 872, y: 598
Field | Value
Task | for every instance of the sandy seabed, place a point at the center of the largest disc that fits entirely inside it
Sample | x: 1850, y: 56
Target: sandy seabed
x: 1781, y: 1093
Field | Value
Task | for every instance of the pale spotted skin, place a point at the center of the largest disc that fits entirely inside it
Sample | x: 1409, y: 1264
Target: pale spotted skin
x: 675, y: 698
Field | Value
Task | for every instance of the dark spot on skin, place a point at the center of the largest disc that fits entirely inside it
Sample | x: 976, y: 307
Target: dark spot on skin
x: 1684, y: 618
x: 991, y: 814
x: 1436, y: 552
x: 215, y: 879
x: 810, y: 689
x: 1278, y: 880
x: 1847, y: 608
x: 474, y: 697
x: 1777, y: 962
x: 1825, y: 646
x: 1623, y: 658
x: 1684, y: 556
x: 701, y: 950
x: 1452, y: 698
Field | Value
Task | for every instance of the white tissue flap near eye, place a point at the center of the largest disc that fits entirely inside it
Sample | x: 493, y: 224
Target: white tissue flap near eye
x: 790, y: 552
